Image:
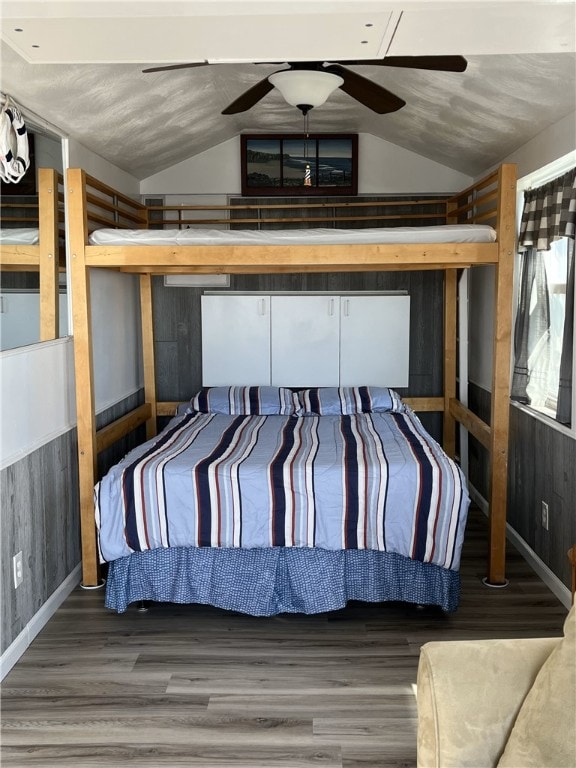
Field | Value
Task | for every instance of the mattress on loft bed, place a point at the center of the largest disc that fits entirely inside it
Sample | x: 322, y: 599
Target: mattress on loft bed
x: 19, y: 236
x: 267, y: 514
x: 447, y: 233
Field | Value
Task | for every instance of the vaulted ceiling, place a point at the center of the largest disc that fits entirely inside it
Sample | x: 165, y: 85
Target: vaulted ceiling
x: 79, y: 66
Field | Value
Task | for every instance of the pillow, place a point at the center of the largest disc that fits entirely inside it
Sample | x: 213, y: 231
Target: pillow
x: 543, y: 734
x: 345, y: 401
x: 245, y: 401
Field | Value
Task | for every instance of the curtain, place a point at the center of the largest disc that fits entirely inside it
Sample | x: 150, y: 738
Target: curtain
x: 564, y: 409
x: 532, y: 320
x: 549, y: 214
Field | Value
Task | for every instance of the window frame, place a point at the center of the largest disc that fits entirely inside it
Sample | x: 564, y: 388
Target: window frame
x: 537, y: 178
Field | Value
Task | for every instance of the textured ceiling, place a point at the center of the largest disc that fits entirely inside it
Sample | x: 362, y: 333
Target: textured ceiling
x: 145, y: 123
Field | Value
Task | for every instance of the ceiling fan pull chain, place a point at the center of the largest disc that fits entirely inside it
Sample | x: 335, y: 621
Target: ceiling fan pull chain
x: 307, y: 173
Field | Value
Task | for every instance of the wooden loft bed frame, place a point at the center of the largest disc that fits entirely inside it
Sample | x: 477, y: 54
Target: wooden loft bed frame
x: 44, y: 257
x: 492, y: 200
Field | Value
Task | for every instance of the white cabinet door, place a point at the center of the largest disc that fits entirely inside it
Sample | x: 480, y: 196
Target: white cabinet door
x: 235, y: 340
x: 374, y: 340
x: 305, y: 340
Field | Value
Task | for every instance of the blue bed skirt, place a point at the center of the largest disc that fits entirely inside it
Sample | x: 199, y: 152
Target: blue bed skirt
x: 266, y: 582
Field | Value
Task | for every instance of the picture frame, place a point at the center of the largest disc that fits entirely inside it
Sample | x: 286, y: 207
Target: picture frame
x: 299, y: 164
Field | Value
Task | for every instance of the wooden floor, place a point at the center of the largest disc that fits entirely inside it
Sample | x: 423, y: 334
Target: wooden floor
x: 197, y: 686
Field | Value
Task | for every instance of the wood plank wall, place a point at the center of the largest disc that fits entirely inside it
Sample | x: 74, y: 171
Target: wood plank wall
x: 112, y: 455
x: 540, y: 468
x: 479, y: 402
x: 177, y: 326
x: 39, y: 517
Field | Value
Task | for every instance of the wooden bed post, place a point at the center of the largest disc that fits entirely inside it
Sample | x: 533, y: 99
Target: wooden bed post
x: 506, y: 217
x: 80, y: 281
x: 148, y: 351
x: 450, y: 318
x: 48, y: 253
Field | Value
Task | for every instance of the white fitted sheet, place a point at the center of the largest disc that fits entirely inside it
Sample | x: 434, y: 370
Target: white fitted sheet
x: 449, y: 233
x: 19, y: 236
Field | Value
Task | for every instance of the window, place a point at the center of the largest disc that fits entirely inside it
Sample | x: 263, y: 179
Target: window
x: 544, y: 360
x: 544, y: 328
x: 298, y: 164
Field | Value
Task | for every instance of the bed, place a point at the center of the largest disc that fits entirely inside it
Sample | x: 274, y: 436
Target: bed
x: 488, y: 205
x: 38, y: 249
x: 259, y: 500
x: 443, y: 233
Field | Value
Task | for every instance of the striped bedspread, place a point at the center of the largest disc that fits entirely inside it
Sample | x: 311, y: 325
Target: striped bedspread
x: 367, y: 481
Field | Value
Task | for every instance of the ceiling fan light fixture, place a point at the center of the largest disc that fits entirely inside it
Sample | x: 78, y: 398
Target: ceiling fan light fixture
x: 305, y: 88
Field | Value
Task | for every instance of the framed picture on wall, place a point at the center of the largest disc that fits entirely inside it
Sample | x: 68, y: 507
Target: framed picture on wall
x: 299, y: 164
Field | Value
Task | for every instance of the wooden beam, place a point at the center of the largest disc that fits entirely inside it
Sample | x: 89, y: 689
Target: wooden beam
x: 48, y: 253
x: 263, y: 269
x: 399, y: 217
x: 111, y: 433
x: 450, y: 320
x: 473, y: 423
x: 167, y: 408
x: 425, y: 403
x: 15, y: 257
x: 148, y: 351
x: 269, y: 258
x: 504, y: 278
x: 83, y: 364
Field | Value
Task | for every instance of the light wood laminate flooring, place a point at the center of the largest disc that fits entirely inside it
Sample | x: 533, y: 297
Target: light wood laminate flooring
x: 198, y: 686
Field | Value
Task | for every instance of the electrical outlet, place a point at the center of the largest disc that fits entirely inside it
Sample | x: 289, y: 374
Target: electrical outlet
x: 545, y: 518
x: 17, y: 569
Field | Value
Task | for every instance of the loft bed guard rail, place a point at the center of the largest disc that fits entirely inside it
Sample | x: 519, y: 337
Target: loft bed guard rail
x: 492, y: 200
x: 45, y: 256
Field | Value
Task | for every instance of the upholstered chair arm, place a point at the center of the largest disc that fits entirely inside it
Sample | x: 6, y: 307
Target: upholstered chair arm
x: 469, y: 694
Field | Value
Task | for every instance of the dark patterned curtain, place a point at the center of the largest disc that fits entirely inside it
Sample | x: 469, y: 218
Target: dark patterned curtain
x: 564, y: 409
x: 549, y: 214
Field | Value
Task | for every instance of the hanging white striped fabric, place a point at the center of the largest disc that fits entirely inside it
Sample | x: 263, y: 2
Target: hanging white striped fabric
x: 14, y: 152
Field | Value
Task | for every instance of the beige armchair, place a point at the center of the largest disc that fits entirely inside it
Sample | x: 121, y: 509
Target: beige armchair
x: 498, y: 703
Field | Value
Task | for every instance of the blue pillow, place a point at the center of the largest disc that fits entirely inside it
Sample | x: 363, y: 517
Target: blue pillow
x: 246, y: 401
x: 345, y: 401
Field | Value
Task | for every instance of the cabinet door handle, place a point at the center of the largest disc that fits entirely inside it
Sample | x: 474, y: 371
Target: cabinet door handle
x: 262, y: 307
x: 346, y: 307
x: 331, y: 307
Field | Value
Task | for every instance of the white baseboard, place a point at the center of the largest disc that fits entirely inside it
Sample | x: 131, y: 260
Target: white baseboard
x: 554, y: 584
x: 38, y: 621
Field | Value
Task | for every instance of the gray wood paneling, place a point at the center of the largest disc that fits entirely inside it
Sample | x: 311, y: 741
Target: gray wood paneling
x: 39, y: 517
x: 116, y: 452
x: 480, y: 403
x: 542, y: 466
x: 177, y: 324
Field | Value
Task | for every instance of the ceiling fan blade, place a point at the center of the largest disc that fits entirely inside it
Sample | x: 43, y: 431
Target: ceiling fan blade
x: 249, y: 98
x: 168, y: 67
x: 436, y: 63
x: 372, y: 95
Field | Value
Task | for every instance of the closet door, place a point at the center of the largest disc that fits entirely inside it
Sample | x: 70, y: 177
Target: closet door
x: 374, y: 340
x: 235, y: 340
x: 305, y: 340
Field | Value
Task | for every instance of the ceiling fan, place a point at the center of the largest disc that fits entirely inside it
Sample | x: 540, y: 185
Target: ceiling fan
x: 308, y: 84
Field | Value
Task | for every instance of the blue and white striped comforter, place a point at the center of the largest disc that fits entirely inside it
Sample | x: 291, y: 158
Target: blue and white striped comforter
x: 368, y: 481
